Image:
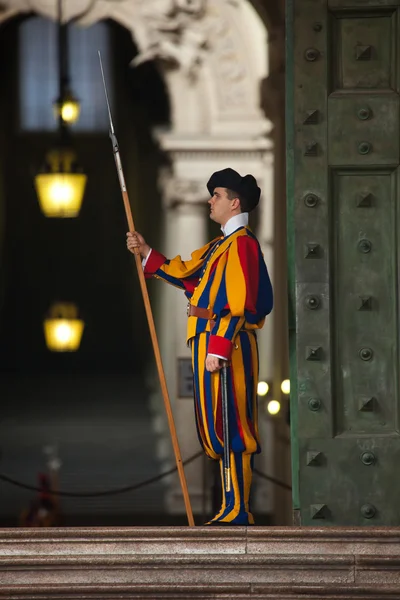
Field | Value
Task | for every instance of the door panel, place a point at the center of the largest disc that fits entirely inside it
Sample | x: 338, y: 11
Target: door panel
x: 371, y: 121
x: 342, y: 482
x: 364, y: 46
x: 363, y: 288
x: 343, y: 171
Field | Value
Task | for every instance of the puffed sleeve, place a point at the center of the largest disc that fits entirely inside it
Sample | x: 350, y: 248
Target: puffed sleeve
x: 245, y: 295
x: 183, y: 274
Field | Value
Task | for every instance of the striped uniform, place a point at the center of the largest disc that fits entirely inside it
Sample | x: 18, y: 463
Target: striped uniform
x: 229, y: 277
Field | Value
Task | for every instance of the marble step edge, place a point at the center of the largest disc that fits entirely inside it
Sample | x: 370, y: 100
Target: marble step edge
x: 369, y: 541
x: 270, y: 532
x: 224, y: 591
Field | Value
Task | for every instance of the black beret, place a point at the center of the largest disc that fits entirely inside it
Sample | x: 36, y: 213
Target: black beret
x: 245, y: 186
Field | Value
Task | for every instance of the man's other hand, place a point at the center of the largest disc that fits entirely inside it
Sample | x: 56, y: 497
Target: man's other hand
x: 213, y: 363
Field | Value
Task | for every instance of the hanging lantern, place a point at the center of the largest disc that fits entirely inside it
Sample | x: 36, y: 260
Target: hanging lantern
x: 67, y: 108
x: 63, y: 329
x: 60, y: 185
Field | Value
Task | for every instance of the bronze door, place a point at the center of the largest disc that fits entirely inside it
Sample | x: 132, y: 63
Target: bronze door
x: 343, y: 171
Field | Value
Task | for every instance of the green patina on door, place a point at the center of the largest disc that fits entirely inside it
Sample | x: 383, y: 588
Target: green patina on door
x: 343, y: 171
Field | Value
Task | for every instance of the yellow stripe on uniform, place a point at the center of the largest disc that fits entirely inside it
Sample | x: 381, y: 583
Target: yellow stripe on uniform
x: 201, y: 358
x: 239, y: 381
x: 223, y: 506
x: 235, y: 282
x: 236, y: 491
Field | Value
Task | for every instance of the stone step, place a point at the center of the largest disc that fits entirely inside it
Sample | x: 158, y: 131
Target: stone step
x: 201, y: 563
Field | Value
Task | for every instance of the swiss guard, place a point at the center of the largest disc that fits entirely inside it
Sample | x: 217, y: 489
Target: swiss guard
x: 229, y: 294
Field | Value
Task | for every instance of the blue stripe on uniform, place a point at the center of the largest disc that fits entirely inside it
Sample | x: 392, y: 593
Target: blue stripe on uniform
x: 216, y: 445
x: 169, y: 279
x: 196, y: 382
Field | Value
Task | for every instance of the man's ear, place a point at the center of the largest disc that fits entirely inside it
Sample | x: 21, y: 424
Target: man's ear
x: 236, y: 203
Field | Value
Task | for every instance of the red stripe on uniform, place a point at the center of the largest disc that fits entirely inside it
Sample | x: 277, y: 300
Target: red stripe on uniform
x: 190, y: 284
x: 154, y: 262
x: 248, y: 256
x: 214, y: 265
x: 220, y: 346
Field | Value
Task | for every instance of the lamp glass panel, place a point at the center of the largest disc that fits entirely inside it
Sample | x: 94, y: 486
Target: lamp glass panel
x: 60, y: 194
x: 63, y: 335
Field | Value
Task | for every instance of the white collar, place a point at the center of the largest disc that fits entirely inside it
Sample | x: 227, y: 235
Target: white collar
x: 240, y: 220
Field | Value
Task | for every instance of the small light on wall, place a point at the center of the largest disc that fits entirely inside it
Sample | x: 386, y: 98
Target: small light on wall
x: 262, y: 388
x: 273, y: 407
x: 285, y: 386
x: 63, y: 329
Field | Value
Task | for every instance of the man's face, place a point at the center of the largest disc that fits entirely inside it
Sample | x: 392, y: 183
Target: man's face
x: 220, y: 206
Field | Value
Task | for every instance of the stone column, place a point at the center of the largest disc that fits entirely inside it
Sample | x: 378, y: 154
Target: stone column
x: 273, y: 103
x: 185, y: 210
x: 263, y: 499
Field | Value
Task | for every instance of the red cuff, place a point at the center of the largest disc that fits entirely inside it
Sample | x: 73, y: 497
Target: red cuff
x: 155, y: 261
x: 220, y: 345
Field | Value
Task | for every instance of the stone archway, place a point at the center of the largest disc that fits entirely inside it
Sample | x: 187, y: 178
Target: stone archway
x: 214, y: 57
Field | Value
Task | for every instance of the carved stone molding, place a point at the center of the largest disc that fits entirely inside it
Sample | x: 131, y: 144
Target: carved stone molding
x: 174, y: 32
x: 199, y: 157
x: 217, y: 47
x: 178, y: 191
x: 201, y: 563
x: 214, y: 147
x: 168, y: 30
x: 229, y: 63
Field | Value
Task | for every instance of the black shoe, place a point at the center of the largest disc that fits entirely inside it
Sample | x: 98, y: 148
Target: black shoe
x: 222, y: 524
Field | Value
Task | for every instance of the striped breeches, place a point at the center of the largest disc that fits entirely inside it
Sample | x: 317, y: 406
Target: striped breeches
x: 242, y: 409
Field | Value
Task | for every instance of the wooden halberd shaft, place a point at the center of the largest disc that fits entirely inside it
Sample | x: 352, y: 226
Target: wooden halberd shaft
x: 150, y: 319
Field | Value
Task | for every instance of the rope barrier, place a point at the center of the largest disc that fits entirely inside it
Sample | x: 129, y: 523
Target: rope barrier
x: 129, y: 488
x: 122, y: 490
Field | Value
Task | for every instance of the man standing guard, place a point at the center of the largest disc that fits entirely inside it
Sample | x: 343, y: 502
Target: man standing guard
x: 230, y: 294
